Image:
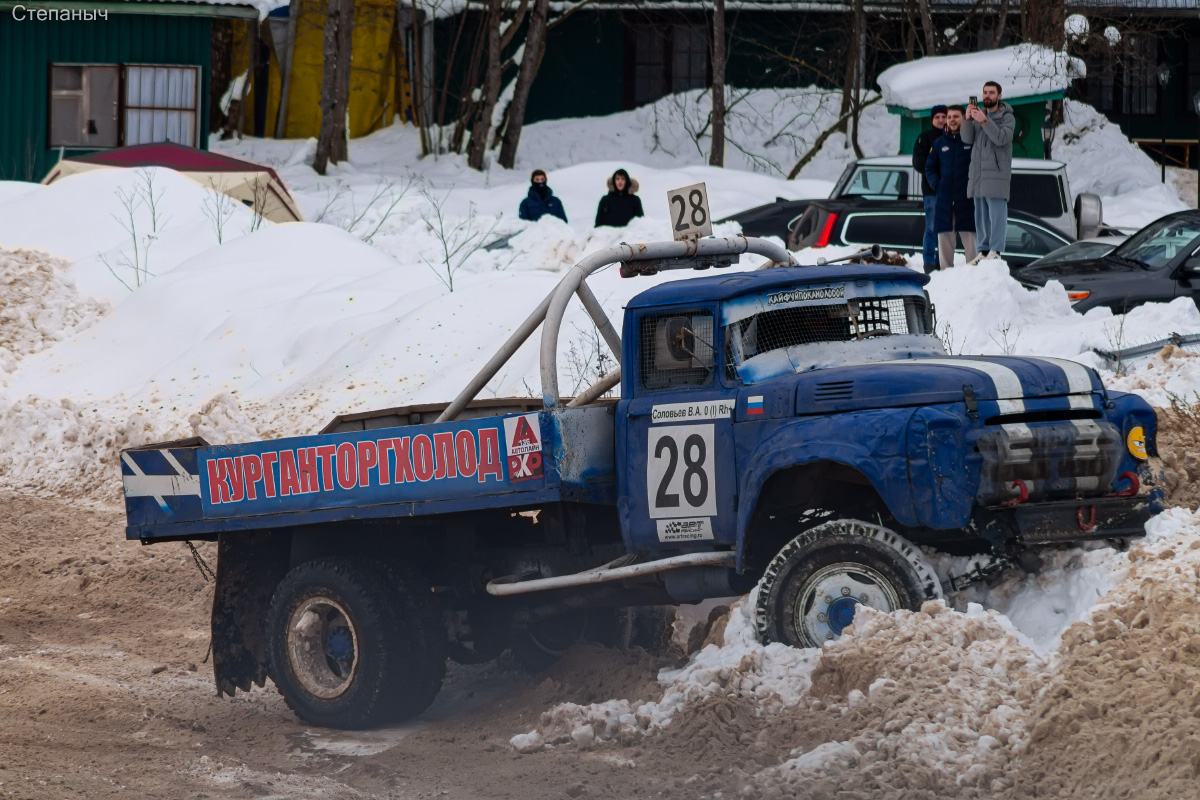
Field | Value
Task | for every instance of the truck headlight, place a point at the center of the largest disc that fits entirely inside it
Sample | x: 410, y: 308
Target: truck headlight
x: 1135, y: 442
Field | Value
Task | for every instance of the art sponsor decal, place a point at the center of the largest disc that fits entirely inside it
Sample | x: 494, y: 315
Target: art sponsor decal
x: 754, y: 405
x: 383, y: 466
x: 685, y: 530
x: 806, y: 295
x: 523, y: 443
x: 682, y: 412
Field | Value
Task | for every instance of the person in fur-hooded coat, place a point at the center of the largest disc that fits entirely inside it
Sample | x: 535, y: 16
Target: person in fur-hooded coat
x: 621, y: 204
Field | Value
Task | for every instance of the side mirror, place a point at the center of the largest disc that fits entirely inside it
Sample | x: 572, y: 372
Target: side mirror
x: 1089, y: 212
x: 1191, y: 267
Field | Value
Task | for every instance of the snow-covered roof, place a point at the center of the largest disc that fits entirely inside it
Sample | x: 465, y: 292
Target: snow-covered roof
x: 1024, y: 70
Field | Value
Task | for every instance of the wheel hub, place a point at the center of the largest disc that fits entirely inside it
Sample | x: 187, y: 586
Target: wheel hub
x: 322, y: 646
x: 827, y: 601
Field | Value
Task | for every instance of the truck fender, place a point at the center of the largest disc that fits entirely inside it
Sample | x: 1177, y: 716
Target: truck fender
x: 880, y: 456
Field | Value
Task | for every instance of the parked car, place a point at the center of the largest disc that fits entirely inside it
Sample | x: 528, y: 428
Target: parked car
x: 1155, y: 265
x: 1082, y: 250
x: 900, y: 225
x: 1039, y: 187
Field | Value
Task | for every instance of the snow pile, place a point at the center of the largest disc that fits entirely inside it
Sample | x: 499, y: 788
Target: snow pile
x: 1101, y: 159
x: 767, y: 676
x: 125, y: 226
x: 982, y: 310
x: 960, y: 703
x: 39, y: 305
x: 935, y: 688
x: 1021, y: 70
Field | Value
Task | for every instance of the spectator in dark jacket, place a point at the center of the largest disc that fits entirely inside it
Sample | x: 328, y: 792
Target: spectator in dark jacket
x: 621, y: 204
x: 947, y: 169
x: 920, y: 156
x: 540, y: 200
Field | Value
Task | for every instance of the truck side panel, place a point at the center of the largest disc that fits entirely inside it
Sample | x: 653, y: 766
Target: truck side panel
x: 396, y: 472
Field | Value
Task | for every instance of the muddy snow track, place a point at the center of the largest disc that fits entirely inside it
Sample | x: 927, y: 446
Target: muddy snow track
x: 105, y: 694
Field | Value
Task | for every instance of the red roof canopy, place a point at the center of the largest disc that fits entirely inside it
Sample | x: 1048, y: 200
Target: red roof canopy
x: 173, y: 156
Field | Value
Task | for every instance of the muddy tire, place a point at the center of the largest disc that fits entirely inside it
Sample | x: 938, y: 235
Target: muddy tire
x: 351, y: 647
x: 810, y: 590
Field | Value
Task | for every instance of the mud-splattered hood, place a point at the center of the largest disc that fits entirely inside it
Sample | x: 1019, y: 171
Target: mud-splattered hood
x: 931, y: 380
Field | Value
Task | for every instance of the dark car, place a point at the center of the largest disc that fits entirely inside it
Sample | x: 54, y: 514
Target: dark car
x: 772, y: 219
x: 1155, y: 265
x: 900, y: 225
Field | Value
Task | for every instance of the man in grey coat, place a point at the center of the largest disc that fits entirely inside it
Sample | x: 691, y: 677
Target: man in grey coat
x: 990, y: 129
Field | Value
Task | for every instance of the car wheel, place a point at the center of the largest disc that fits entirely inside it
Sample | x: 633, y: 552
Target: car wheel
x: 812, y: 588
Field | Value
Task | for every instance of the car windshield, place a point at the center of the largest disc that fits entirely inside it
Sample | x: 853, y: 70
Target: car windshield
x: 1159, y: 243
x: 761, y: 331
x: 878, y: 183
x: 1079, y: 251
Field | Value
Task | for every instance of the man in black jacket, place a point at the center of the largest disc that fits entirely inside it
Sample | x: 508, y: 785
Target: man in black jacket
x: 621, y: 204
x: 929, y: 250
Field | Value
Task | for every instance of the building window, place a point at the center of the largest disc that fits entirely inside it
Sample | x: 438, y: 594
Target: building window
x: 109, y: 105
x: 83, y: 105
x: 689, y: 57
x: 1140, y: 73
x: 161, y: 104
x: 666, y: 59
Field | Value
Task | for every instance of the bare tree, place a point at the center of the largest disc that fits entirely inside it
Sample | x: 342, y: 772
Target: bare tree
x: 535, y: 49
x: 931, y: 48
x: 1044, y: 23
x: 335, y: 87
x: 482, y: 121
x: 716, y: 155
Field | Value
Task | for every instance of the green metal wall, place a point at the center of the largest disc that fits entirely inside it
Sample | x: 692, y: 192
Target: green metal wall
x: 28, y: 48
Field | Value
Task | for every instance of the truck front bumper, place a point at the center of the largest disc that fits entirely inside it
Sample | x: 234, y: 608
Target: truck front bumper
x: 1063, y: 521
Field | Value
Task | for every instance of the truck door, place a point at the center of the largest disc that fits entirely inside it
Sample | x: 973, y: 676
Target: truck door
x: 677, y: 444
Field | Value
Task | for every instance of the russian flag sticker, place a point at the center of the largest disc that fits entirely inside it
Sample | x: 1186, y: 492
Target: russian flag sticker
x: 754, y: 405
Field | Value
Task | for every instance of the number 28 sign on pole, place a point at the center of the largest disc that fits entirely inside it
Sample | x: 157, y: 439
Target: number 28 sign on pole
x: 690, y: 217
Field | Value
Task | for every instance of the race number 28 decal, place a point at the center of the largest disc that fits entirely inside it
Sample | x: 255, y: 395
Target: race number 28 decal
x: 681, y: 478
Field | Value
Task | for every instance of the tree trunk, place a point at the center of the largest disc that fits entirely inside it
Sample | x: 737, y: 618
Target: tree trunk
x: 860, y: 61
x: 1045, y: 21
x: 477, y: 145
x: 927, y: 27
x: 419, y: 80
x: 716, y: 156
x: 535, y: 49
x: 335, y: 85
x: 281, y: 115
x: 1001, y: 24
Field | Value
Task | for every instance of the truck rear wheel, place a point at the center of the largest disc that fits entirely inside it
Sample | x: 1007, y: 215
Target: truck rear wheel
x: 350, y: 645
x: 810, y: 590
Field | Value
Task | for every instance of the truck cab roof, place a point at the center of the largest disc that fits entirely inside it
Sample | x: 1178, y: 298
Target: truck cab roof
x: 723, y: 286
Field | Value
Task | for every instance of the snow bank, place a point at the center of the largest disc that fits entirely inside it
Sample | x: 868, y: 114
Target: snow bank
x: 1022, y: 70
x: 97, y: 236
x: 1101, y: 159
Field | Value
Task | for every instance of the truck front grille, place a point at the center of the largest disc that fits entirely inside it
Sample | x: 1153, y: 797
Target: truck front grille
x: 1056, y: 460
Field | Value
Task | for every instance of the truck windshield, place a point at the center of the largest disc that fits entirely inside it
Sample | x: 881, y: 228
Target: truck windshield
x: 818, y: 316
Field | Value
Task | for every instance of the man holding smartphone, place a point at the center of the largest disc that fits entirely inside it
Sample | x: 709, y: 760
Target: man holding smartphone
x: 990, y: 130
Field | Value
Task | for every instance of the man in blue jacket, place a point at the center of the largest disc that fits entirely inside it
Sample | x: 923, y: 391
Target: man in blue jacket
x: 921, y: 151
x: 540, y: 200
x: 947, y: 170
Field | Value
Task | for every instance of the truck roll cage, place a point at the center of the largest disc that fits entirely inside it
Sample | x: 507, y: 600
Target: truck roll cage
x: 643, y: 258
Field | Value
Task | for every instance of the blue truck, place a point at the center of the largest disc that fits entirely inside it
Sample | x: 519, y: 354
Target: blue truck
x: 798, y: 429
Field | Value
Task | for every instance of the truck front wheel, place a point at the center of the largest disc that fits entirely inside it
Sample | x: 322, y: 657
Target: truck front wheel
x: 811, y: 589
x: 348, y: 645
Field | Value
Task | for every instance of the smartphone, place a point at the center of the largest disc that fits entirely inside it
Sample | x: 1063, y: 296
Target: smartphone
x: 974, y: 100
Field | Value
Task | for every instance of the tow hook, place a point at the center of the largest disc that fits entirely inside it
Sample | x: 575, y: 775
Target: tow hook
x: 1090, y: 524
x: 1135, y: 485
x: 1020, y: 486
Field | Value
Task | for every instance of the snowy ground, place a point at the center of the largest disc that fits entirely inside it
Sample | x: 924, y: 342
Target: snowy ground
x: 137, y: 306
